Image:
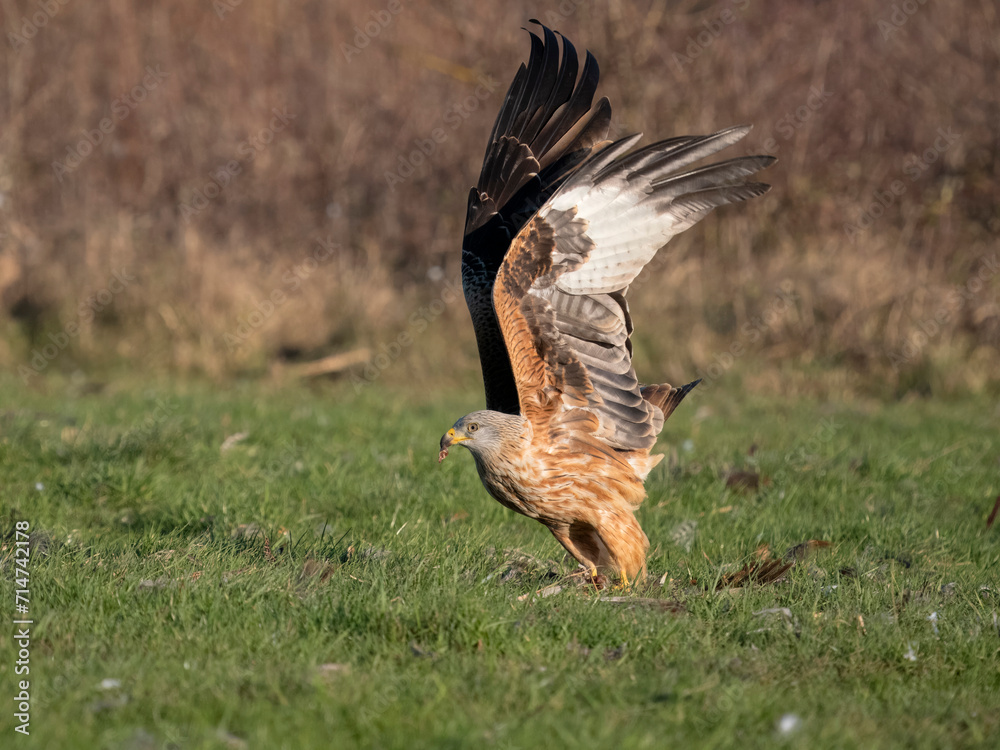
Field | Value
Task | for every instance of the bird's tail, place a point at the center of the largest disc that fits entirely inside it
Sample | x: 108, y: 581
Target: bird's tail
x: 666, y: 397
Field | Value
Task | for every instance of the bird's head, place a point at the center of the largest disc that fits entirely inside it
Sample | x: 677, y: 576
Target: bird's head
x: 482, y: 432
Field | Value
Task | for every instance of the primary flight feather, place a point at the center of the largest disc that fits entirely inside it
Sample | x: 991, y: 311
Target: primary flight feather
x: 560, y: 223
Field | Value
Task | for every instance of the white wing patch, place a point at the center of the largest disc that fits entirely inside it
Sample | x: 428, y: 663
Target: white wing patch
x: 590, y: 240
x: 634, y: 209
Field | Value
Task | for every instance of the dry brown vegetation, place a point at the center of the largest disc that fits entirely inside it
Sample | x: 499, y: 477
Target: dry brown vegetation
x: 855, y: 98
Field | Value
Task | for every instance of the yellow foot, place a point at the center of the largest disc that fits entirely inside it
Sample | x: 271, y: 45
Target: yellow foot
x: 623, y: 582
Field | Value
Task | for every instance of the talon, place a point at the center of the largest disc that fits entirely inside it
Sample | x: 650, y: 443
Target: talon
x: 597, y: 579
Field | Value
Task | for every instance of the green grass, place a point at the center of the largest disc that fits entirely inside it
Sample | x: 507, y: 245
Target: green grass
x: 398, y: 571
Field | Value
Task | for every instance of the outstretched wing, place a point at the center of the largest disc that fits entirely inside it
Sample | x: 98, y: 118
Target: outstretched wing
x: 560, y: 293
x: 545, y: 129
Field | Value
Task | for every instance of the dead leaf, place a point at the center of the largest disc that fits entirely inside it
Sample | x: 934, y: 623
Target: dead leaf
x: 542, y: 593
x: 417, y: 651
x: 151, y: 585
x: 330, y: 669
x: 313, y: 568
x: 800, y: 552
x: 233, y: 440
x: 746, y: 481
x: 230, y: 740
x: 759, y: 572
x: 783, y: 611
x: 245, y: 531
x: 767, y: 569
x: 268, y: 555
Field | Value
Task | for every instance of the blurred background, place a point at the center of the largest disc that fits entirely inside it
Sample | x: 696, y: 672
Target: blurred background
x: 228, y: 188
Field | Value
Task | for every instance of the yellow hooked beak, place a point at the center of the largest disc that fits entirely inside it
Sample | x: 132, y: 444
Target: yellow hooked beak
x: 449, y: 439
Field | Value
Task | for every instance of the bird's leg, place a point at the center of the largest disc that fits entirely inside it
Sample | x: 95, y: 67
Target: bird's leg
x: 623, y: 582
x: 562, y: 535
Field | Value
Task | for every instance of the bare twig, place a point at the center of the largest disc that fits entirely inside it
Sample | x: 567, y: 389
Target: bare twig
x: 993, y: 514
x: 330, y: 365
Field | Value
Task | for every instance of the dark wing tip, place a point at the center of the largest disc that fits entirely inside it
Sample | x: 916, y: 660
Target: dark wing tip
x: 686, y: 389
x: 667, y: 398
x: 757, y: 188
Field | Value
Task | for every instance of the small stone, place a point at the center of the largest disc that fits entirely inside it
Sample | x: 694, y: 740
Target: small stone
x: 789, y: 723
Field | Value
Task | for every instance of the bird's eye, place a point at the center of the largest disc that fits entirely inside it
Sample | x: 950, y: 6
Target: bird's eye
x: 473, y: 427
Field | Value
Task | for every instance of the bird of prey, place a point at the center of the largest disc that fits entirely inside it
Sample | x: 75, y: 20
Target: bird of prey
x: 560, y: 223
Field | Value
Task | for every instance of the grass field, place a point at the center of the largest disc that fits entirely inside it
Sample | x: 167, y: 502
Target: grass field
x: 397, y: 604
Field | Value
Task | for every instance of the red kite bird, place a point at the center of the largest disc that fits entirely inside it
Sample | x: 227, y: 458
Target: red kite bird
x: 561, y: 222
